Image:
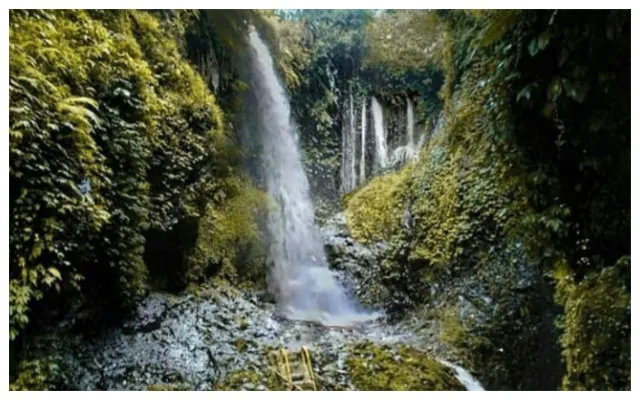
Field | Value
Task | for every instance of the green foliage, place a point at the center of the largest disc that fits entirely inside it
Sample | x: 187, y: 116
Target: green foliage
x: 597, y: 329
x: 405, y: 39
x: 231, y: 26
x: 324, y: 59
x: 230, y: 242
x: 293, y: 51
x: 319, y: 52
x: 374, y: 212
x: 373, y: 367
x: 168, y: 387
x: 516, y: 159
x: 37, y: 375
x: 111, y: 133
x: 235, y: 380
x: 455, y: 198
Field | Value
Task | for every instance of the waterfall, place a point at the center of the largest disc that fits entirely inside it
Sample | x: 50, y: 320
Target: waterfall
x: 348, y: 167
x: 464, y: 377
x: 299, y: 276
x: 410, y: 140
x: 352, y: 149
x: 363, y: 142
x: 380, y: 134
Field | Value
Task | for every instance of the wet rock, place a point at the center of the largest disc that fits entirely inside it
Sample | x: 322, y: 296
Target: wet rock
x: 217, y: 340
x: 357, y: 265
x: 149, y: 315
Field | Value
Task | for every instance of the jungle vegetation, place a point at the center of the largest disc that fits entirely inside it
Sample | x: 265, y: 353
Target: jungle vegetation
x: 126, y: 172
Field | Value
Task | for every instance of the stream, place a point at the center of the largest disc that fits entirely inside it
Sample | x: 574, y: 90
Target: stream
x: 192, y: 341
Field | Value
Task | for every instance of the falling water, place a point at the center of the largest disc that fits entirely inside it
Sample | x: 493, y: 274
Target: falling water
x: 363, y: 142
x: 352, y: 135
x: 380, y: 134
x: 299, y: 277
x: 464, y: 377
x: 348, y: 167
x: 410, y: 140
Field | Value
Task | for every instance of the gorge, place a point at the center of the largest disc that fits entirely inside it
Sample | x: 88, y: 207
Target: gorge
x: 319, y: 200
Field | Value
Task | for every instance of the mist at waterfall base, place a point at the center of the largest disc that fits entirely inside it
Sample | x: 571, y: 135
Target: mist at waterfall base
x: 299, y: 277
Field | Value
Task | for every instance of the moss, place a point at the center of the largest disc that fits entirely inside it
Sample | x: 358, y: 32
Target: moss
x: 168, y: 387
x: 125, y: 135
x: 230, y: 244
x: 453, y: 331
x: 597, y: 330
x: 272, y: 375
x: 237, y: 379
x: 375, y: 367
x: 37, y: 375
x: 375, y: 211
x: 437, y: 208
x: 242, y: 344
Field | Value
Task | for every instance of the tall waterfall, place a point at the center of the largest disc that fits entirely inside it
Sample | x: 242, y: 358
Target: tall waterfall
x: 363, y: 142
x: 380, y: 134
x: 299, y: 276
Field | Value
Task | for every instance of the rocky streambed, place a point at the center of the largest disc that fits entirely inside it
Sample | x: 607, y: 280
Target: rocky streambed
x: 229, y: 340
x: 225, y: 339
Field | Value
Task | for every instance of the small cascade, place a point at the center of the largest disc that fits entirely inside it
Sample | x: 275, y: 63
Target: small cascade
x: 353, y: 178
x: 407, y: 151
x: 464, y: 377
x: 410, y: 123
x: 380, y: 134
x: 363, y: 143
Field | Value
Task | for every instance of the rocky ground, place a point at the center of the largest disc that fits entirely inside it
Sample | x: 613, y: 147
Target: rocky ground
x: 225, y: 339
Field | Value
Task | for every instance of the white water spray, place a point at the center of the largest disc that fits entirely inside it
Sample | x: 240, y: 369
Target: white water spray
x: 410, y: 125
x: 380, y: 134
x: 299, y: 277
x: 464, y: 377
x: 348, y: 167
x: 352, y: 134
x: 363, y: 142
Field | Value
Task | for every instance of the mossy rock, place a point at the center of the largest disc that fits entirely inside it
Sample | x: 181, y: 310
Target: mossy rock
x: 251, y: 380
x: 230, y: 244
x: 374, y: 212
x: 597, y: 330
x: 242, y: 344
x: 168, y: 387
x: 375, y: 367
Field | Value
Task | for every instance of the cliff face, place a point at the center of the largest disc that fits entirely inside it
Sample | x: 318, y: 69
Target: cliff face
x: 120, y: 155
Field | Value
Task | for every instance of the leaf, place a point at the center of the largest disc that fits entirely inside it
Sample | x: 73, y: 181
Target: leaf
x: 525, y: 93
x: 82, y: 100
x: 543, y: 40
x: 533, y: 47
x: 555, y: 89
x: 575, y: 90
x: 563, y: 57
x: 549, y: 110
x: 53, y: 271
